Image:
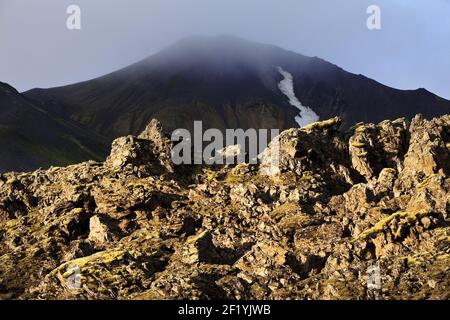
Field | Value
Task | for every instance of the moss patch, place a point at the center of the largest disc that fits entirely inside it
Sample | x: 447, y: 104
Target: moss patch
x: 358, y: 144
x: 409, y: 217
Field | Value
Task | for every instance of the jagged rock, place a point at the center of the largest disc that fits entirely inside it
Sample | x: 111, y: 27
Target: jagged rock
x: 128, y: 150
x: 151, y: 150
x: 199, y: 248
x: 263, y: 257
x: 428, y: 152
x: 313, y: 148
x: 336, y: 205
x: 375, y: 147
x: 161, y: 145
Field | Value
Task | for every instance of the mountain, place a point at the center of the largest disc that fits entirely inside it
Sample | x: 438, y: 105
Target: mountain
x: 226, y: 82
x: 31, y: 137
x: 229, y: 83
x: 361, y: 214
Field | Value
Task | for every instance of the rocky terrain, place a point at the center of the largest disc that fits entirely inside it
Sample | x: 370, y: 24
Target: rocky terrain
x: 137, y: 227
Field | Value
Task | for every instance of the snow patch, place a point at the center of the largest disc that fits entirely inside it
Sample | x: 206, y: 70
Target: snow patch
x: 306, y: 115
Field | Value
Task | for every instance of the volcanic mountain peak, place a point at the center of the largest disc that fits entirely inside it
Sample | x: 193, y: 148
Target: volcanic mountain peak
x: 228, y: 56
x: 225, y: 46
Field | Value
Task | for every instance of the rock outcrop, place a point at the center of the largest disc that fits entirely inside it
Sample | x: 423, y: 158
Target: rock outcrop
x: 361, y: 214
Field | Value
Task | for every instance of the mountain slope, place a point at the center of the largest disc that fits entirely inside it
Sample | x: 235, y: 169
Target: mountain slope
x: 229, y: 83
x: 30, y: 137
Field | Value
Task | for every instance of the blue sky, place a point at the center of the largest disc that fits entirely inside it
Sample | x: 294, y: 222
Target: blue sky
x: 411, y: 50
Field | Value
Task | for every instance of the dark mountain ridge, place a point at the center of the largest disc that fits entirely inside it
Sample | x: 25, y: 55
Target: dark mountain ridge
x: 32, y: 137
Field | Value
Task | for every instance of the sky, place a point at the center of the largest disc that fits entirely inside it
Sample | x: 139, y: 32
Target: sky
x: 410, y: 51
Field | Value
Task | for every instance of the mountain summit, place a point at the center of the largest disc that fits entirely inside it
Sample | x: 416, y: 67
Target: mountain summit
x: 226, y: 82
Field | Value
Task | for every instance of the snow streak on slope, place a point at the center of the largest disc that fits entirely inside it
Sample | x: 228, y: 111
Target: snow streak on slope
x: 306, y: 115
